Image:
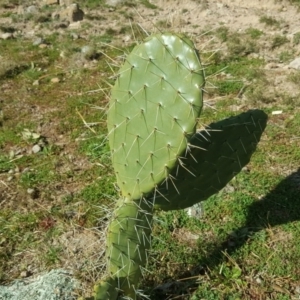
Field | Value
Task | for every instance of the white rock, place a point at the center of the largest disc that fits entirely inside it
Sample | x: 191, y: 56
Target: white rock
x: 50, y: 2
x: 6, y: 36
x: 36, y: 149
x: 127, y: 38
x: 88, y: 52
x: 113, y: 2
x: 30, y: 191
x: 295, y: 64
x: 38, y: 41
x: 75, y: 25
x: 74, y: 36
x: 32, y: 9
x: 55, y: 80
x: 66, y: 2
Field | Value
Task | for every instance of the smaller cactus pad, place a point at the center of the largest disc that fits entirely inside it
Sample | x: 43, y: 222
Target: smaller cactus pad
x: 128, y: 241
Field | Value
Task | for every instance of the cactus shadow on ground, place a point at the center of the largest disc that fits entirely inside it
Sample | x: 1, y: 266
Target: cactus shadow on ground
x: 281, y: 206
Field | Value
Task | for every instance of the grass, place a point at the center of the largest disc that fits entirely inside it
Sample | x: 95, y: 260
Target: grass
x: 245, y: 246
x: 269, y: 21
x: 278, y: 41
x: 296, y: 39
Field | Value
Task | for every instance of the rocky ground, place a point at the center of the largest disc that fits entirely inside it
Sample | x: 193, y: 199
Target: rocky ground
x: 266, y: 31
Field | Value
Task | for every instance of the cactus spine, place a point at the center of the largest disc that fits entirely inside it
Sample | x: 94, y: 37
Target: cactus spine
x: 159, y: 160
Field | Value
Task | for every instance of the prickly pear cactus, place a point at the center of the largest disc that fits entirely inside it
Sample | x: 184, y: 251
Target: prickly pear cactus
x: 154, y: 108
x: 159, y: 160
x: 214, y: 157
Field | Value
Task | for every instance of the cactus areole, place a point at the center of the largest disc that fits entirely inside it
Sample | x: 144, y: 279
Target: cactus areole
x: 154, y: 107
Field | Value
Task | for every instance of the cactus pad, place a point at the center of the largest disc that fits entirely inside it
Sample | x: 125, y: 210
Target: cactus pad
x: 154, y: 107
x: 128, y: 240
x: 215, y: 156
x: 106, y: 289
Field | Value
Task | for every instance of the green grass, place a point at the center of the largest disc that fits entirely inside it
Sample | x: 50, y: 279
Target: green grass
x: 269, y: 21
x: 278, y: 41
x: 296, y: 39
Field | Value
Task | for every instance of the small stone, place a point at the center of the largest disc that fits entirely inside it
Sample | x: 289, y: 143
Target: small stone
x: 295, y: 64
x: 25, y: 170
x: 11, y: 154
x: 32, y: 9
x: 6, y: 36
x: 24, y: 274
x: 74, y: 36
x: 33, y: 192
x: 55, y: 80
x: 64, y: 24
x: 126, y: 38
x: 50, y: 2
x: 258, y: 280
x: 113, y: 2
x: 66, y: 2
x: 88, y: 52
x: 10, y: 178
x: 229, y: 189
x: 36, y: 82
x: 43, y: 46
x: 36, y: 148
x: 30, y: 191
x: 62, y: 54
x: 75, y: 25
x: 276, y: 112
x: 38, y: 41
x: 271, y: 65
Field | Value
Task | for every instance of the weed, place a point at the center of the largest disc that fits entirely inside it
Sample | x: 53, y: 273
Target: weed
x: 163, y: 24
x: 130, y: 3
x: 52, y: 256
x: 222, y: 33
x: 278, y: 40
x: 294, y: 77
x: 285, y: 56
x: 227, y: 87
x: 269, y: 21
x: 147, y: 4
x: 296, y: 38
x: 91, y: 4
x: 254, y: 33
x: 239, y: 47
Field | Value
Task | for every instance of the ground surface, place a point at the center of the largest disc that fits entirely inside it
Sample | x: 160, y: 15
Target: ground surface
x: 55, y: 203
